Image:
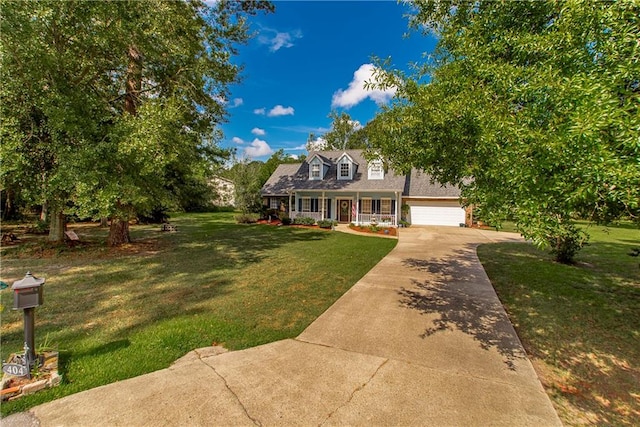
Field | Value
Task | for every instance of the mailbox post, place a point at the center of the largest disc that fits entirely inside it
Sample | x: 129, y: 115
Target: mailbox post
x: 27, y: 295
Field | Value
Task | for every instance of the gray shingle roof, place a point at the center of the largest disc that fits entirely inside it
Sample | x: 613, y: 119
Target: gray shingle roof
x: 290, y: 177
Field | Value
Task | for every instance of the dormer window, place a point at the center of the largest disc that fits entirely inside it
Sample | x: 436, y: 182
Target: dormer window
x: 375, y: 170
x: 346, y: 167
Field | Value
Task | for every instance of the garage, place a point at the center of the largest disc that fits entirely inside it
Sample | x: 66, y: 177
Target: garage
x: 436, y: 213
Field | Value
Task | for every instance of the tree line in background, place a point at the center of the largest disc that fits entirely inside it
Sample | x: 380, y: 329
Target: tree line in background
x: 532, y: 107
x: 110, y: 109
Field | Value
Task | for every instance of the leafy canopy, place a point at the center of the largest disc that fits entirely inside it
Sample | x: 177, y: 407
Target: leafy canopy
x: 530, y: 106
x: 72, y: 70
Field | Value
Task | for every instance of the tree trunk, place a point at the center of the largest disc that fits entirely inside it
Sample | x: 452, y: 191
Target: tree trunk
x: 104, y: 222
x: 56, y: 226
x: 44, y: 212
x: 134, y: 81
x: 118, y: 232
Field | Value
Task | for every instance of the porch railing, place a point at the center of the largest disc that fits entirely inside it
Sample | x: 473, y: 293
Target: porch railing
x: 362, y: 219
x: 315, y: 215
x: 383, y: 220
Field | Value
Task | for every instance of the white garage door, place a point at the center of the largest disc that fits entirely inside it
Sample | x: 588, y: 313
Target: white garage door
x: 436, y: 213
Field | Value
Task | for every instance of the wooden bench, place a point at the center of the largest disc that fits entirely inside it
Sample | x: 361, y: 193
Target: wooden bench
x: 71, y: 237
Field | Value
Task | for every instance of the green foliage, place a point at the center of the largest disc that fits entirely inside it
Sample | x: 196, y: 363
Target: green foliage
x: 247, y: 218
x: 286, y: 220
x: 404, y: 223
x: 304, y: 220
x: 345, y: 134
x: 327, y: 223
x: 111, y: 108
x: 531, y: 107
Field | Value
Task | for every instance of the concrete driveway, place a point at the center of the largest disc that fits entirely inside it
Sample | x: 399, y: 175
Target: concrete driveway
x: 420, y: 340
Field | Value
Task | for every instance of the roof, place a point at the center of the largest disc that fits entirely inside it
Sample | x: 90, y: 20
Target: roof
x: 295, y: 177
x: 420, y: 184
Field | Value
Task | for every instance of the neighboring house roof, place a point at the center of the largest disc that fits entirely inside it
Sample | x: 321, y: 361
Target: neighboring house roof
x: 295, y: 177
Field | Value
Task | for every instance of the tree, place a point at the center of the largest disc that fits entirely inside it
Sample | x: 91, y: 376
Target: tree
x: 531, y: 107
x: 345, y: 134
x: 102, y: 101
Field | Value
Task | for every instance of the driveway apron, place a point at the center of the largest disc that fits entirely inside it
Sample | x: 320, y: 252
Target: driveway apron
x: 421, y: 339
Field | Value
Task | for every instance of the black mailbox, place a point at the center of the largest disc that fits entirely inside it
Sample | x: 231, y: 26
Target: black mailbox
x: 27, y: 293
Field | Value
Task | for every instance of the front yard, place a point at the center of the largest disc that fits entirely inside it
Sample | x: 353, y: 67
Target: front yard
x: 580, y: 324
x: 115, y: 314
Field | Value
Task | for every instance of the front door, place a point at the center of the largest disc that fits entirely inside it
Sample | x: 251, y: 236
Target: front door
x: 344, y: 210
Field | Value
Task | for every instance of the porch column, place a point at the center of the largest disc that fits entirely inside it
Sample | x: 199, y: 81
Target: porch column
x: 322, y: 209
x: 290, y: 211
x: 357, y: 207
x: 397, y: 208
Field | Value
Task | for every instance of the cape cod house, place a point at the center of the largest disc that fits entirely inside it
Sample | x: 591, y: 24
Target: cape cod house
x: 343, y: 186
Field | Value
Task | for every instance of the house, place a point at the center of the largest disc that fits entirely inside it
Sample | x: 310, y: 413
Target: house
x: 344, y: 186
x: 224, y: 190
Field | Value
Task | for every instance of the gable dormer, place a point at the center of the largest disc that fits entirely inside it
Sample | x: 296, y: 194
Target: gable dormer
x: 375, y: 170
x: 346, y: 167
x: 317, y: 168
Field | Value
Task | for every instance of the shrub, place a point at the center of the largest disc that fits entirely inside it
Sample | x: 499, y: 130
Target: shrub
x: 246, y: 218
x: 286, y: 220
x: 304, y: 220
x: 404, y: 223
x: 327, y: 223
x: 566, y: 243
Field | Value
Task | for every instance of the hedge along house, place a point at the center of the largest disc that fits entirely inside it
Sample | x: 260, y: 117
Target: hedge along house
x: 343, y: 186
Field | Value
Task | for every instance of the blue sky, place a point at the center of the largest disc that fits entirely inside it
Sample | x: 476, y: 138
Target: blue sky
x: 307, y: 59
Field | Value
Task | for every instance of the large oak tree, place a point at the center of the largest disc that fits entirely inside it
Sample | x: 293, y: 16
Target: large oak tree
x: 106, y: 106
x: 532, y: 107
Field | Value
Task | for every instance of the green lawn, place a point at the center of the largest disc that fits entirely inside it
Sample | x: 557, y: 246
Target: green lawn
x: 118, y: 314
x: 580, y: 324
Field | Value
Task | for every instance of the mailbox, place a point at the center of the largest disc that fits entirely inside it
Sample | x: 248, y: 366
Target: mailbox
x: 27, y: 293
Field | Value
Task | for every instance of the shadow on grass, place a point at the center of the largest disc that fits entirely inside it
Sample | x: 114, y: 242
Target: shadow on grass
x: 456, y: 289
x: 580, y: 323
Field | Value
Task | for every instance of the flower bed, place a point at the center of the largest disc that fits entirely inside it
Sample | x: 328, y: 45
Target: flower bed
x: 385, y: 231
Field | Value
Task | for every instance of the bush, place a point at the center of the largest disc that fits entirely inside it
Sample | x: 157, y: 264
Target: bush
x: 327, y: 223
x: 286, y: 220
x: 566, y: 243
x: 404, y: 223
x: 304, y: 220
x: 247, y: 218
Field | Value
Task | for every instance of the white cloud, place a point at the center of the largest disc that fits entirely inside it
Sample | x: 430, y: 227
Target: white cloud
x: 237, y: 102
x: 237, y: 140
x: 258, y: 131
x: 260, y: 111
x: 318, y: 144
x: 276, y: 40
x: 279, y: 110
x: 356, y: 92
x: 258, y: 148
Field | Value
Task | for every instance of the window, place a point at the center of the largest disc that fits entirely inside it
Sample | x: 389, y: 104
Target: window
x: 385, y: 206
x: 366, y: 206
x: 274, y: 203
x: 315, y: 170
x: 306, y: 204
x: 344, y: 170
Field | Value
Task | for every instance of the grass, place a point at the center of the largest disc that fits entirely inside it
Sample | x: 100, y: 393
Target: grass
x: 580, y: 324
x: 115, y: 314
